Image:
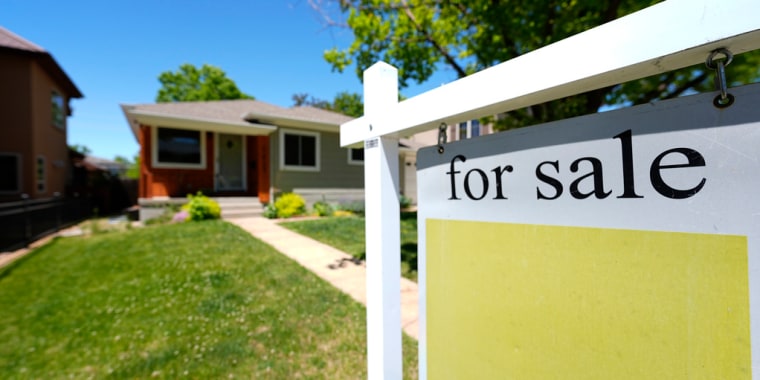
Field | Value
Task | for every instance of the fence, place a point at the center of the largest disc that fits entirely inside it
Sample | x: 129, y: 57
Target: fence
x: 25, y: 221
x: 667, y: 36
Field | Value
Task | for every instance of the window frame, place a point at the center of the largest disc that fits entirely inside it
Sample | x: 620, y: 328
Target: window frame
x: 177, y: 165
x: 300, y: 168
x: 467, y: 127
x: 351, y: 160
x: 57, y: 122
x: 18, y: 173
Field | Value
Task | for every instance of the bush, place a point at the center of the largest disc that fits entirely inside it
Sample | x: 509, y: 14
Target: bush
x: 290, y: 204
x: 323, y: 208
x: 356, y: 207
x: 201, y: 207
x: 404, y: 201
x: 270, y: 212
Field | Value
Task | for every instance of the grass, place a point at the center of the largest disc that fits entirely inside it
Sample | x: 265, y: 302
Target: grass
x: 194, y: 300
x: 347, y: 234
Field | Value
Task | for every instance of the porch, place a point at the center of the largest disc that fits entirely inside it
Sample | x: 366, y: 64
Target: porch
x: 232, y: 207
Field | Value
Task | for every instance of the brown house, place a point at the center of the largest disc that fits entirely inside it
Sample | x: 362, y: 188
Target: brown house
x: 34, y: 102
x: 243, y: 147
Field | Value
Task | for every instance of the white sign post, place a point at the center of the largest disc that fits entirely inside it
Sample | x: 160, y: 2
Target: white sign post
x: 383, y: 239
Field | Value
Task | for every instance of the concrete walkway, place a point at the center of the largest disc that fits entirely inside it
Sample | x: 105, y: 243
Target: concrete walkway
x: 332, y: 265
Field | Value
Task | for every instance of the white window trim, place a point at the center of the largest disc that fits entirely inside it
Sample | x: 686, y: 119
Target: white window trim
x: 351, y: 161
x: 469, y: 129
x: 170, y: 165
x: 37, y: 180
x: 282, y: 134
x: 19, y: 167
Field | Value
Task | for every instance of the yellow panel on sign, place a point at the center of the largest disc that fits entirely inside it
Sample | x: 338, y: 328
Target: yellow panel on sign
x: 512, y: 301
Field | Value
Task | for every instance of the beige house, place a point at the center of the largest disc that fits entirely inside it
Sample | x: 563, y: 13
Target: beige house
x: 34, y: 101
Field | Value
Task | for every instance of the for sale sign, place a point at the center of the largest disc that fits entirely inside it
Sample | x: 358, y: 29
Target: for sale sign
x: 618, y: 245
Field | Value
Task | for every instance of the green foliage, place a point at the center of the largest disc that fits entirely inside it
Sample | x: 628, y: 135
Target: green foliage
x: 420, y: 37
x: 290, y: 204
x: 133, y: 166
x: 346, y: 103
x: 323, y: 208
x: 189, y: 300
x: 80, y: 148
x: 190, y: 83
x: 201, y: 207
x: 270, y: 212
x: 355, y: 207
x: 404, y: 201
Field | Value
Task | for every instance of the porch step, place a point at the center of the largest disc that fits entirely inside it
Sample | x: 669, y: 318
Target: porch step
x: 240, y: 207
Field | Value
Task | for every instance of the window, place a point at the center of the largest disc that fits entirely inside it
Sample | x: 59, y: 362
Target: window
x: 463, y: 130
x: 41, y: 174
x: 58, y: 110
x: 299, y: 150
x: 179, y: 148
x: 356, y: 156
x: 10, y: 166
x: 469, y: 129
x: 474, y: 128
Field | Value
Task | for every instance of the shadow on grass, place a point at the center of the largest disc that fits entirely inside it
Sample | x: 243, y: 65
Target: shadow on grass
x: 6, y: 270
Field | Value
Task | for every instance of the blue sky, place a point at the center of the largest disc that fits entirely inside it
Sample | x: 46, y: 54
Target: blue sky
x: 115, y: 50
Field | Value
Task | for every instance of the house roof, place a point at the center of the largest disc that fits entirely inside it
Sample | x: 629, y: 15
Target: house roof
x: 12, y: 42
x: 249, y: 117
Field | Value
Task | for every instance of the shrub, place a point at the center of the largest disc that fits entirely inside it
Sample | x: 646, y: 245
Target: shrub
x: 201, y: 207
x: 323, y: 208
x: 404, y: 201
x: 270, y: 212
x: 356, y: 207
x: 290, y: 204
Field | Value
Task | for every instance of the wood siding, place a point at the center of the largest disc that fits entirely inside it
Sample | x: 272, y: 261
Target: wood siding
x: 27, y: 129
x: 178, y: 182
x: 335, y: 171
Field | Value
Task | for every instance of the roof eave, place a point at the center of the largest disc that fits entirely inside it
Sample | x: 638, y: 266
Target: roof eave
x: 137, y: 118
x: 294, y: 122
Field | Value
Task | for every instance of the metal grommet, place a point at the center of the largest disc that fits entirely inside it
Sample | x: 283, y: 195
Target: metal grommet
x: 710, y: 62
x: 442, y: 137
x: 724, y: 99
x: 720, y: 102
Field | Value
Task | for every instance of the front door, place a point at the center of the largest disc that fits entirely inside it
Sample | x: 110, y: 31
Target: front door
x: 230, y: 163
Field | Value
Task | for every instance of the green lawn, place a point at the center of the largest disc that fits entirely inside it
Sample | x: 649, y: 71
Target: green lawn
x: 196, y: 300
x: 347, y: 234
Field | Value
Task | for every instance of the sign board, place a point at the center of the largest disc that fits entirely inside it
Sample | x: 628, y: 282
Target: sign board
x: 624, y: 244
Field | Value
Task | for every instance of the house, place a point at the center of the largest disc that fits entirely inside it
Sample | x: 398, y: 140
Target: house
x: 34, y: 102
x: 243, y: 148
x: 252, y: 148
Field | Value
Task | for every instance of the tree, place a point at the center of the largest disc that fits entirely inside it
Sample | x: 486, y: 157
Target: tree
x: 80, y: 148
x: 190, y: 83
x: 133, y: 166
x: 422, y: 36
x: 347, y: 103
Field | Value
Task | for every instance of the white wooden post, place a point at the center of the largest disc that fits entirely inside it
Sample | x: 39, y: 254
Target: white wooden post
x: 383, y: 231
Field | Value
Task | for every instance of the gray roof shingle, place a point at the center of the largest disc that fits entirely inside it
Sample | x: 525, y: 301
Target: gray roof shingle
x: 237, y: 111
